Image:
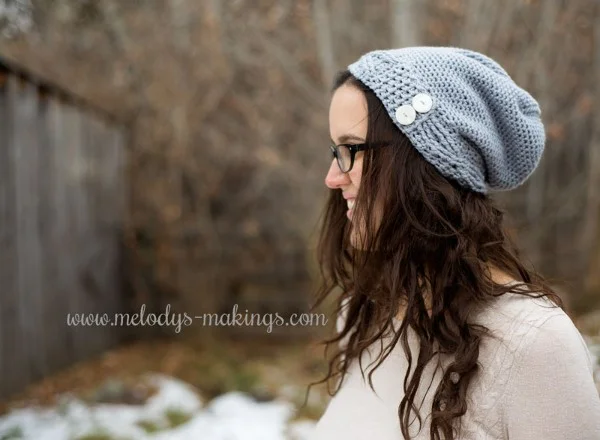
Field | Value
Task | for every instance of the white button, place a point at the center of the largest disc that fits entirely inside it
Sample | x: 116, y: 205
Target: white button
x: 405, y: 114
x: 422, y: 102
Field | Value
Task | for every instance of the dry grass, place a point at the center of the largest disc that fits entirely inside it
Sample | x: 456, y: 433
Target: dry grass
x: 265, y: 371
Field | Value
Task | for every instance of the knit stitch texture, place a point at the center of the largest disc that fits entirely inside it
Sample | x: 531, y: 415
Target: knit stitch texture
x: 482, y: 130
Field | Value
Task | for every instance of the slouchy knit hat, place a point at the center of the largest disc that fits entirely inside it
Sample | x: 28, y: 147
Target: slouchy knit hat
x: 461, y: 111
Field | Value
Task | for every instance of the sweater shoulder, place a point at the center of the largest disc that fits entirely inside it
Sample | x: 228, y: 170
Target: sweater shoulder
x: 525, y: 331
x: 513, y: 317
x: 512, y: 321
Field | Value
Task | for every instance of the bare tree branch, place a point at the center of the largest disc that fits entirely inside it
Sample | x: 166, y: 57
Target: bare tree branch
x: 290, y: 66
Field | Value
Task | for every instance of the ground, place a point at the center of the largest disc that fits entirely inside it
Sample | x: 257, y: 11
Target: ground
x: 171, y: 390
x: 213, y: 370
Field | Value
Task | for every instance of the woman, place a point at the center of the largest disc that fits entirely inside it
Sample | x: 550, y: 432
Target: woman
x: 444, y: 333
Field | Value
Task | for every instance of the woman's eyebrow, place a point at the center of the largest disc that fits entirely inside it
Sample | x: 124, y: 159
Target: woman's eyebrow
x: 348, y: 137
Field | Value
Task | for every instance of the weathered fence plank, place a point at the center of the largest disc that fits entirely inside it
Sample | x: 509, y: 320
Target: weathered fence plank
x: 61, y: 211
x: 10, y: 337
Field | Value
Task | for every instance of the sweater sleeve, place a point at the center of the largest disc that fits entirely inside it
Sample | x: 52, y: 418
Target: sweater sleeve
x: 551, y: 392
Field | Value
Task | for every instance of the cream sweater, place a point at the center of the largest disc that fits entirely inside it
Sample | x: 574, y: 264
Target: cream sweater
x: 536, y: 383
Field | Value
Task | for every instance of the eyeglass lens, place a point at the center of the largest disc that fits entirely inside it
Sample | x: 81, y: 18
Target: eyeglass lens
x: 343, y: 157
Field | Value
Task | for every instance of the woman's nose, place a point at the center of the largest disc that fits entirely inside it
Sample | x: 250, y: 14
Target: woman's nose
x: 335, y: 178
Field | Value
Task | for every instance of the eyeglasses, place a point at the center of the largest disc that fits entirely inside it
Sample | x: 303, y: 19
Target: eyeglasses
x: 345, y: 153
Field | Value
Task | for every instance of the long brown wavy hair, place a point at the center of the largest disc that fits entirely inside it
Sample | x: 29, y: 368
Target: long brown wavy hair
x: 435, y: 242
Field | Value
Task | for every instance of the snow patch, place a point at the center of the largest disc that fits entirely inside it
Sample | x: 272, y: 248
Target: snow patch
x: 231, y: 416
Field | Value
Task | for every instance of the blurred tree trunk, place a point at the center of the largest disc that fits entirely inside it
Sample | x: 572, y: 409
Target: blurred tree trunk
x: 406, y: 22
x: 322, y: 24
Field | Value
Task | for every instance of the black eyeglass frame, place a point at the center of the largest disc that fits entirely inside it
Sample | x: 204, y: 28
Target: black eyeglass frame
x: 353, y: 148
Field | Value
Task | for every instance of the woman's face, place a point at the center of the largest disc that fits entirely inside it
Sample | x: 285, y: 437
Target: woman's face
x: 348, y: 119
x: 347, y: 125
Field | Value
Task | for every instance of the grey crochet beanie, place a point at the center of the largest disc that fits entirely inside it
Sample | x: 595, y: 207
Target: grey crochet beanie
x: 461, y: 111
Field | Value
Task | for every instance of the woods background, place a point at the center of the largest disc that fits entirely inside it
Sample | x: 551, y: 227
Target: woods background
x: 226, y: 107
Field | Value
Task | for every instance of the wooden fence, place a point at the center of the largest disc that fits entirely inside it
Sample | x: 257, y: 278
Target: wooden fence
x: 61, y: 212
